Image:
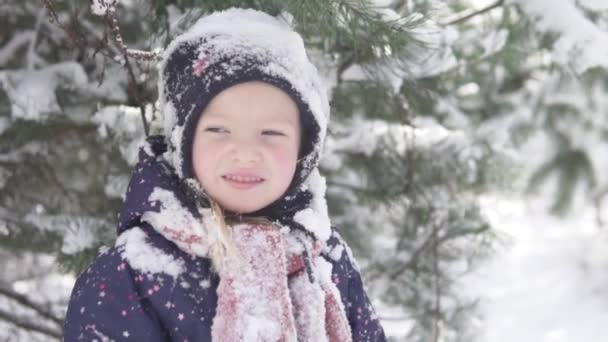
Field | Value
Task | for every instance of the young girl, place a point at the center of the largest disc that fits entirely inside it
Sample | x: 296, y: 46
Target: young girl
x: 224, y: 233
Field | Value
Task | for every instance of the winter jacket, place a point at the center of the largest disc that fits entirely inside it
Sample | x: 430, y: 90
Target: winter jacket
x: 146, y: 288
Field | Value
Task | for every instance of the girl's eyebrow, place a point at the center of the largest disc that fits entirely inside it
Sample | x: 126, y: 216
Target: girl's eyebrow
x: 283, y: 119
x: 280, y: 123
x: 214, y: 115
x: 278, y: 120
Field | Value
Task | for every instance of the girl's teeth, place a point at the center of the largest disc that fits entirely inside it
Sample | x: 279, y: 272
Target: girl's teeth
x: 243, y: 179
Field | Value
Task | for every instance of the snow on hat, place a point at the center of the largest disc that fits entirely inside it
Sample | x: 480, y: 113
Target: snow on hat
x: 231, y: 47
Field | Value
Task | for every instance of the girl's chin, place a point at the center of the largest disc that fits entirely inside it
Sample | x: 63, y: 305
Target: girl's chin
x: 241, y: 209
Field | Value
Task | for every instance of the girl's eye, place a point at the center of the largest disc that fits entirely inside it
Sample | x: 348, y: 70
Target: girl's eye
x: 216, y: 130
x: 271, y: 132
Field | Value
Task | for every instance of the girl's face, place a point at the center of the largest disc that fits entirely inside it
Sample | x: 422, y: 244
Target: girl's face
x: 246, y: 146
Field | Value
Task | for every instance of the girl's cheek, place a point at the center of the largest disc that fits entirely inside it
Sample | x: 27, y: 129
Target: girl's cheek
x: 285, y: 155
x: 212, y: 145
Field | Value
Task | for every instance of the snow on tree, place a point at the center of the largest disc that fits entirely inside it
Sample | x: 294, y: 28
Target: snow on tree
x: 433, y: 104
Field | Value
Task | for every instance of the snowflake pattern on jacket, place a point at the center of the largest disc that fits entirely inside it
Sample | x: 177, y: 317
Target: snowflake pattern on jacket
x: 146, y: 288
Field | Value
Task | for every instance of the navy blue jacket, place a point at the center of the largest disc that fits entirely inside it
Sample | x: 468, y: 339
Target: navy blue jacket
x: 113, y: 300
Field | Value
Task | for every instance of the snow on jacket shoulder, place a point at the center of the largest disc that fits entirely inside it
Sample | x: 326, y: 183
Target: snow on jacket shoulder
x: 143, y: 289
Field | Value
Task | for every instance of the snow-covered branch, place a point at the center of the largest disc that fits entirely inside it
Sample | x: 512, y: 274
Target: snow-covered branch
x: 581, y: 43
x: 28, y: 325
x: 21, y: 299
x: 461, y: 17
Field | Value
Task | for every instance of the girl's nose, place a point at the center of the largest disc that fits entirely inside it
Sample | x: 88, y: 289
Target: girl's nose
x: 245, y: 154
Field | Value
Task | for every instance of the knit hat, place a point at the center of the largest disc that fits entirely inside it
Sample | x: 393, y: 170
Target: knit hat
x: 231, y: 47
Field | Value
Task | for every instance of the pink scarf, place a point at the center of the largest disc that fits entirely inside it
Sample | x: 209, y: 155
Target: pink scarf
x: 266, y: 293
x: 277, y: 287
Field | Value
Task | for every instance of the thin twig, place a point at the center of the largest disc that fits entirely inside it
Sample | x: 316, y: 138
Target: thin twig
x: 136, y: 93
x: 72, y: 35
x: 139, y: 55
x: 344, y: 64
x: 427, y: 242
x: 413, y: 257
x: 136, y: 54
x: 461, y: 18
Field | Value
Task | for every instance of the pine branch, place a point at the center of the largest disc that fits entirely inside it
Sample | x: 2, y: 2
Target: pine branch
x: 414, y: 256
x: 429, y: 241
x: 464, y: 17
x: 21, y: 299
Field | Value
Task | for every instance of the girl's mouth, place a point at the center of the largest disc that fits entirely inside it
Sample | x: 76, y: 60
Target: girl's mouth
x: 242, y: 181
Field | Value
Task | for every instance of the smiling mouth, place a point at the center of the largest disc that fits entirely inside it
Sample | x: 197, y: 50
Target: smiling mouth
x: 242, y: 182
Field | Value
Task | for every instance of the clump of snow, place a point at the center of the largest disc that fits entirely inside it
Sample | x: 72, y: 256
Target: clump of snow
x: 77, y: 232
x: 594, y: 5
x: 175, y: 156
x: 5, y: 174
x: 369, y: 136
x: 205, y: 283
x: 175, y: 222
x: 3, y: 228
x: 349, y: 253
x: 324, y: 271
x: 32, y: 92
x: 494, y: 42
x: 145, y: 258
x: 103, y: 7
x: 76, y: 239
x: 169, y: 119
x: 116, y: 186
x: 336, y: 252
x: 316, y: 218
x: 436, y: 55
x: 125, y: 125
x: 51, y: 287
x: 581, y: 43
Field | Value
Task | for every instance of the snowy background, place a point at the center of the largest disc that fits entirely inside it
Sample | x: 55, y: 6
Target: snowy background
x: 547, y: 282
x: 509, y: 108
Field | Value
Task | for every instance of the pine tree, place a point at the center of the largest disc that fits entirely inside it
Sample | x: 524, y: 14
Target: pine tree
x: 428, y: 104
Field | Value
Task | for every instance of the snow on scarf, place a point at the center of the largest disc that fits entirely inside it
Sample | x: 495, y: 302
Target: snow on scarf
x: 276, y: 287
